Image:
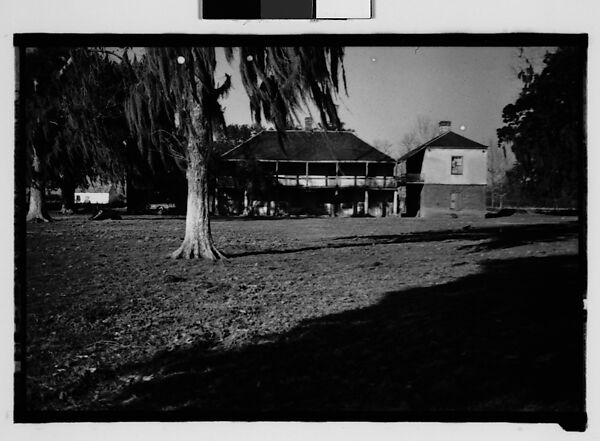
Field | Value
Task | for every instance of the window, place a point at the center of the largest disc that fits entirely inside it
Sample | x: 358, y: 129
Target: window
x: 456, y: 166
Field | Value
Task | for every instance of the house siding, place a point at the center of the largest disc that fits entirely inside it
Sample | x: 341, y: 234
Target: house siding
x: 436, y: 166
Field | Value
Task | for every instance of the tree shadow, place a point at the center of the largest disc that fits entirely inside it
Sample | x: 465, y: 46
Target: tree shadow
x: 508, y: 339
x: 513, y: 236
x: 244, y: 218
x: 153, y: 218
x: 496, y: 237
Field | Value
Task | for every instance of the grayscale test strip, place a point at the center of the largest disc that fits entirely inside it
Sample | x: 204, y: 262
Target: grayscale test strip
x: 285, y: 9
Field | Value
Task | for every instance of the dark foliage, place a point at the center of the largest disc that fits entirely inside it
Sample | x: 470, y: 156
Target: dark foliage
x: 545, y: 128
x: 95, y: 134
x: 75, y: 123
x: 40, y: 95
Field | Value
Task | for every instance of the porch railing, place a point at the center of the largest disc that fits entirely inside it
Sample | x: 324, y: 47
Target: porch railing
x: 320, y: 181
x: 411, y: 178
x: 324, y: 181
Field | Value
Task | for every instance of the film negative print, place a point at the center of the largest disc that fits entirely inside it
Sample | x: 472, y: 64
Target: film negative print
x: 285, y: 9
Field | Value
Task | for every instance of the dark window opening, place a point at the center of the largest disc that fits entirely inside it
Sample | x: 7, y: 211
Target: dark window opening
x: 456, y: 165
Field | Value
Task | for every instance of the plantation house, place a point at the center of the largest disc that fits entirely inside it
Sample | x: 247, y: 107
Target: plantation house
x: 306, y: 172
x: 445, y: 175
x: 335, y: 173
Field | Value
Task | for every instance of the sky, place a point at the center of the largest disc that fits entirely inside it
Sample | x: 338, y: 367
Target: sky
x: 389, y: 87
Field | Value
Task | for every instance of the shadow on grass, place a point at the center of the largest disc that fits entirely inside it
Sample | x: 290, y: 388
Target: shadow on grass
x: 495, y: 237
x: 266, y: 218
x: 509, y: 339
x: 149, y: 217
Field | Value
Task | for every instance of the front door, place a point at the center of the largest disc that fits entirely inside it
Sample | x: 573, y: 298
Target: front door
x: 454, y: 200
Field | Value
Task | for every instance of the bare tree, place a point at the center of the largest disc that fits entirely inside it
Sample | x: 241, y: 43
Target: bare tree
x: 385, y: 146
x: 423, y: 130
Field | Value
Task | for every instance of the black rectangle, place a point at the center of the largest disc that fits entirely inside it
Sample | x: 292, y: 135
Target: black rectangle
x: 231, y: 9
x: 258, y: 9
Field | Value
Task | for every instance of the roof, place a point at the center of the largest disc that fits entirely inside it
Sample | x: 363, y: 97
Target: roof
x: 301, y: 145
x: 221, y: 148
x: 449, y: 140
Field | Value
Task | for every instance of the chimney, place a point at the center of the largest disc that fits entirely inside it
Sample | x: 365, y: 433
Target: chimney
x: 308, y: 122
x: 445, y: 127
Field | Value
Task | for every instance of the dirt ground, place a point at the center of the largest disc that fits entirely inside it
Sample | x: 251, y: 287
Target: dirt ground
x: 306, y: 315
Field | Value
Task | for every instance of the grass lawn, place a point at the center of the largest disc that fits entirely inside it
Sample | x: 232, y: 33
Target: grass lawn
x: 306, y: 315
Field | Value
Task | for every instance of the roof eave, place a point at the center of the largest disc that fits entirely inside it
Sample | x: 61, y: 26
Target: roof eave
x: 412, y: 153
x: 242, y: 143
x: 428, y: 144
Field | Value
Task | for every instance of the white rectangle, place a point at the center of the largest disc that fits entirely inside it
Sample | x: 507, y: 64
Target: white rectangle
x: 91, y: 198
x: 343, y: 9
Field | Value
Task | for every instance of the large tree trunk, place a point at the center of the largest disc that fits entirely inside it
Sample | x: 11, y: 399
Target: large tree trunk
x: 36, y: 193
x: 198, y: 241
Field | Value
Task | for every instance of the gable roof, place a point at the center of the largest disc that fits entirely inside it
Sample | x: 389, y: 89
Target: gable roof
x: 300, y: 145
x: 448, y: 140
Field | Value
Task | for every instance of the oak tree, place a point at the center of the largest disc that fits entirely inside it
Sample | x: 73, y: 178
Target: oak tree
x: 180, y: 85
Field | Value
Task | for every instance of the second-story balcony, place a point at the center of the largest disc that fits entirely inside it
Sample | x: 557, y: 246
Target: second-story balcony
x: 324, y: 181
x: 320, y: 181
x: 320, y: 174
x: 411, y: 178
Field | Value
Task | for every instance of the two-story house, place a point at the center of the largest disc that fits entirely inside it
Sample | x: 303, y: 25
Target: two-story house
x: 310, y: 172
x: 446, y: 174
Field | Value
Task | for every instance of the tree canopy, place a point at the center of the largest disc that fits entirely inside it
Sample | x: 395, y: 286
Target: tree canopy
x: 40, y: 96
x: 95, y: 129
x: 545, y: 128
x: 74, y: 121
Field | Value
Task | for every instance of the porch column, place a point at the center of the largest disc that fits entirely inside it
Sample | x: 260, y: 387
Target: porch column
x: 366, y: 202
x: 335, y: 205
x: 307, y: 174
x: 395, y: 206
x: 245, y: 202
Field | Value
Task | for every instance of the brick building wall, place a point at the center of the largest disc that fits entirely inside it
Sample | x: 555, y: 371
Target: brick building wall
x: 437, y: 199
